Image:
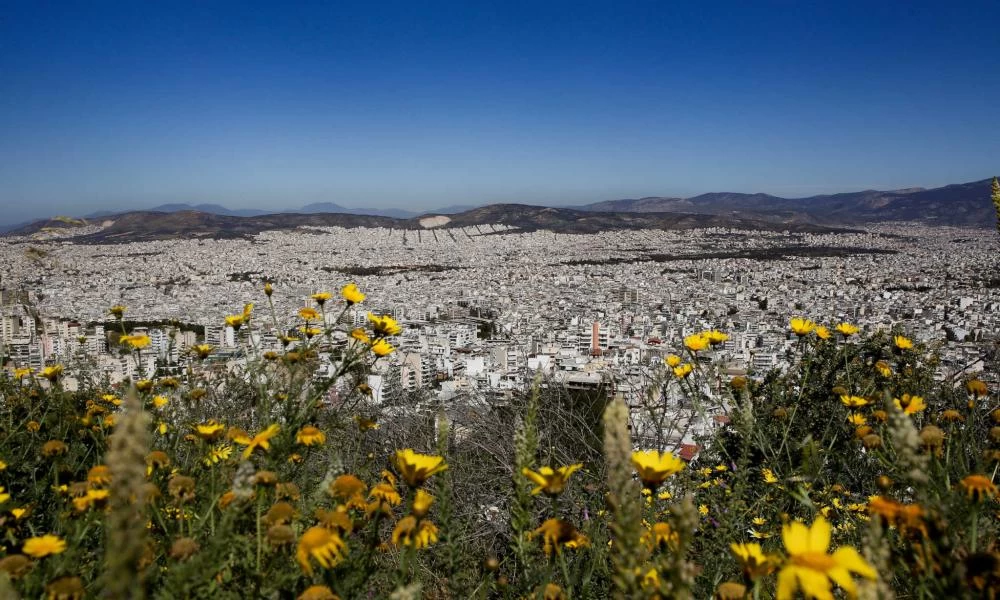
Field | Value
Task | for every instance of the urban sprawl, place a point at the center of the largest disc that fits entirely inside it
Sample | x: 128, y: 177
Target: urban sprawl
x: 485, y: 309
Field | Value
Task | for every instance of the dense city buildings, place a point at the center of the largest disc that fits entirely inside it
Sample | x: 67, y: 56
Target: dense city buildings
x: 486, y: 309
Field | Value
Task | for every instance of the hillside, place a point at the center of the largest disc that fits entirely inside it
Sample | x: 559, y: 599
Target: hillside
x: 148, y: 226
x: 966, y: 204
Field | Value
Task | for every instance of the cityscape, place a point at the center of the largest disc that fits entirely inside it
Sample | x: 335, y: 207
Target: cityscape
x: 487, y: 309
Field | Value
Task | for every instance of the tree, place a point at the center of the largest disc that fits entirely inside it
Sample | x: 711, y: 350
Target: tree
x: 996, y: 200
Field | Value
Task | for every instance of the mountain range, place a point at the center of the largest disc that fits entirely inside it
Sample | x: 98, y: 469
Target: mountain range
x: 316, y: 207
x: 966, y: 204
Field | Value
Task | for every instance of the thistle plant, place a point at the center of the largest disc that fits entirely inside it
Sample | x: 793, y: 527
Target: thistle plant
x: 126, y: 520
x: 623, y: 502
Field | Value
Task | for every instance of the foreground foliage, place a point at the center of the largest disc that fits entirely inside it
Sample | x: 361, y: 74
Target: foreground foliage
x: 855, y: 470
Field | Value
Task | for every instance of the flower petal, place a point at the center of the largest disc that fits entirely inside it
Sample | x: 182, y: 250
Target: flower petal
x: 848, y: 558
x: 819, y: 535
x: 842, y: 577
x: 814, y: 584
x: 787, y: 583
x: 795, y: 535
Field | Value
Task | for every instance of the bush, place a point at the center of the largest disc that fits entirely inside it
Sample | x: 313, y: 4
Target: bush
x: 855, y: 467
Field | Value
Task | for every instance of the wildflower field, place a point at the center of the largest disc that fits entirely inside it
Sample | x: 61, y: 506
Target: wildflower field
x: 855, y: 473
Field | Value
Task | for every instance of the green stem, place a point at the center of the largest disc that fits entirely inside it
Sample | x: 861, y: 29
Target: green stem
x: 260, y: 539
x: 975, y: 529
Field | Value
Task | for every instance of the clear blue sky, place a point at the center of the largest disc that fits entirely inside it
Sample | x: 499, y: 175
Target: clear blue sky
x: 420, y: 104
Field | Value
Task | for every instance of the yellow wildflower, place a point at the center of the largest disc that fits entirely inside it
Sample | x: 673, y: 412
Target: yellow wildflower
x: 217, y: 454
x: 411, y: 532
x: 696, y: 342
x: 550, y: 481
x: 321, y: 545
x: 715, y: 337
x: 321, y: 297
x: 902, y: 343
x: 352, y: 294
x: 853, y: 401
x: 382, y: 348
x: 661, y: 535
x: 655, y: 467
x: 979, y: 487
x: 349, y: 490
x: 202, y: 350
x: 136, y: 342
x: 422, y: 502
x: 768, y: 476
x: 801, y: 326
x: 910, y: 404
x: 976, y: 387
x: 557, y: 534
x: 810, y: 568
x: 416, y: 468
x: 310, y: 436
x: 846, y: 329
x: 683, y: 371
x: 883, y: 368
x: 384, y: 325
x: 42, y: 546
x: 54, y: 448
x: 262, y: 440
x: 99, y: 475
x: 52, y: 373
x: 210, y: 430
x: 752, y: 560
x: 93, y: 498
x: 382, y: 498
x: 318, y: 592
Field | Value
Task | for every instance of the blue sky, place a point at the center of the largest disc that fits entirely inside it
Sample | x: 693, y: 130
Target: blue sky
x: 112, y: 105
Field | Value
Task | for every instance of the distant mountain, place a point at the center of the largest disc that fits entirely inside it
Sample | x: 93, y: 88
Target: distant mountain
x: 451, y: 210
x: 217, y: 209
x: 214, y: 209
x: 322, y: 207
x: 966, y: 204
x: 960, y: 204
x: 148, y: 226
x: 568, y: 220
x: 314, y: 208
